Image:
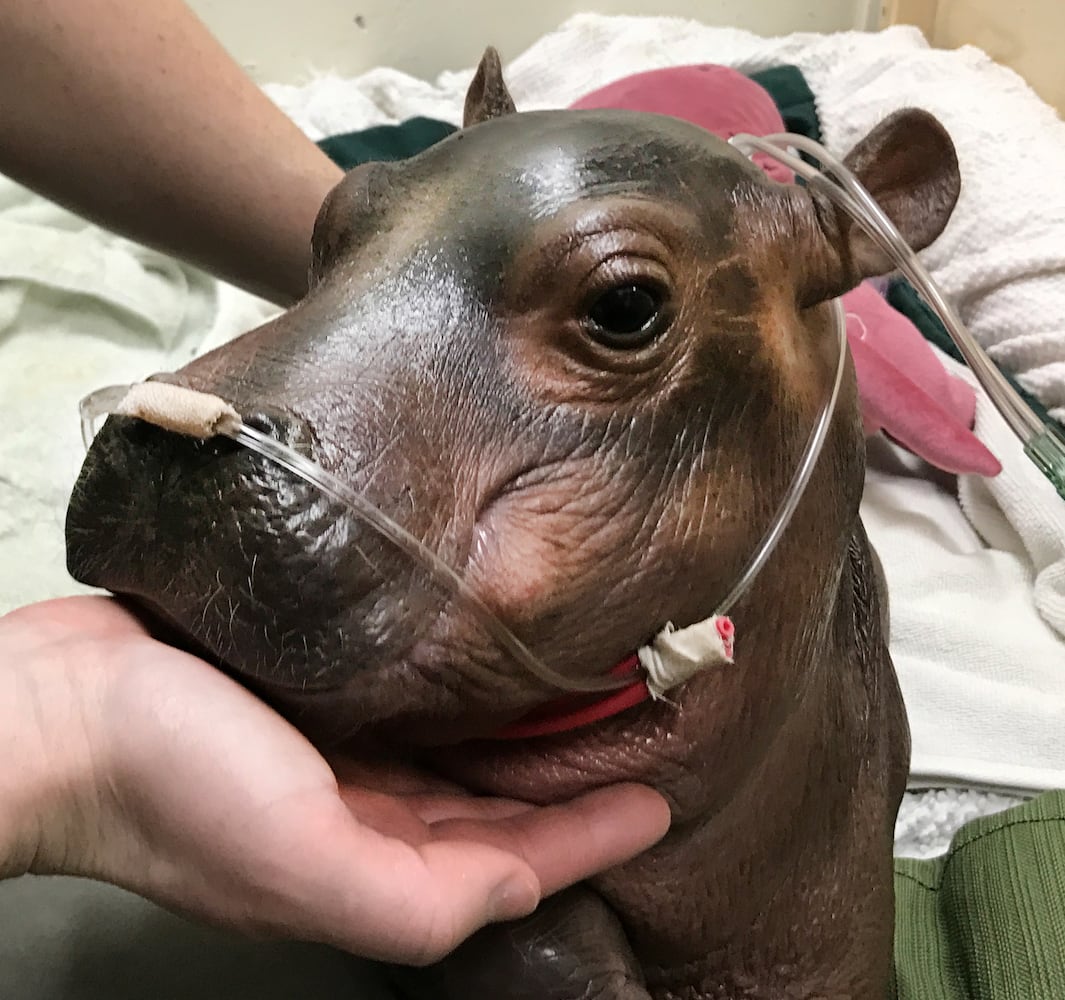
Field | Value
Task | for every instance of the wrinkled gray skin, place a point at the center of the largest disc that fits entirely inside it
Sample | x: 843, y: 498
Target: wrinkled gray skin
x: 589, y: 490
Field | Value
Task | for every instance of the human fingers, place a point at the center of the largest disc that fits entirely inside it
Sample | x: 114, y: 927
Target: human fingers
x: 566, y: 843
x: 378, y: 896
x: 490, y: 868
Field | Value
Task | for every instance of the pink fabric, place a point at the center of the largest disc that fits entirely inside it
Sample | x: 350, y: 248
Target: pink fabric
x: 906, y: 392
x: 904, y: 389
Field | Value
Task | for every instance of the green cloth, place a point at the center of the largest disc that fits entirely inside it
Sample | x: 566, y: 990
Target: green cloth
x: 987, y: 920
x: 385, y: 142
x: 793, y: 97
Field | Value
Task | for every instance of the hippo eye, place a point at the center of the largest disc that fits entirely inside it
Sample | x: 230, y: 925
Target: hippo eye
x: 626, y: 315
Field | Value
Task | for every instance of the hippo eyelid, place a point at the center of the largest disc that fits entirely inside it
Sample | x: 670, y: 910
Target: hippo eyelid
x: 629, y: 239
x: 626, y: 267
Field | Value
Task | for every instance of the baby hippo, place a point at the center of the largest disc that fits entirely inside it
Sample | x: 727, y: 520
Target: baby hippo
x: 577, y: 354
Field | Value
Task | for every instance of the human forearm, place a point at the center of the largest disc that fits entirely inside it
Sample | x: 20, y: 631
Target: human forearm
x: 134, y: 116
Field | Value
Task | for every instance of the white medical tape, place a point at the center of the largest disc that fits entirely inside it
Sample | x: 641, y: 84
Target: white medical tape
x: 675, y: 655
x: 175, y: 408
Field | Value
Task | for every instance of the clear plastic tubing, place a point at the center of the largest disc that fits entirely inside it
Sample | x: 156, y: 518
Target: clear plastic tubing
x: 108, y: 398
x: 1042, y: 444
x: 805, y: 469
x: 288, y: 458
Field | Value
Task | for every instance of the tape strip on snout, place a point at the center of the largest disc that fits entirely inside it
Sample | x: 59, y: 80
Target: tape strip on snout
x: 175, y: 408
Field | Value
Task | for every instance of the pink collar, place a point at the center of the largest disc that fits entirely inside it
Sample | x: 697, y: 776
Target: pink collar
x: 571, y: 711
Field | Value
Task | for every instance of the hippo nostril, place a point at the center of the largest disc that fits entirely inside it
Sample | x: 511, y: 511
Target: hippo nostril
x: 282, y: 426
x: 273, y: 421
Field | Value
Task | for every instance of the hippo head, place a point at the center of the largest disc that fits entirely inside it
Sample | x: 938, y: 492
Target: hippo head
x: 577, y: 354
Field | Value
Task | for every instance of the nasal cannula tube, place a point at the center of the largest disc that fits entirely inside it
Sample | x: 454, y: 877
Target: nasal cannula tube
x: 110, y: 398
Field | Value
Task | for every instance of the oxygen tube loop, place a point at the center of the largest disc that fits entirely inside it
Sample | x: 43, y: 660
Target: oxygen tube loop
x: 1042, y: 443
x: 221, y: 419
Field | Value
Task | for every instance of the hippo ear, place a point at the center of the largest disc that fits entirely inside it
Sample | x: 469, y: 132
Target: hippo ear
x: 908, y: 164
x: 488, y: 96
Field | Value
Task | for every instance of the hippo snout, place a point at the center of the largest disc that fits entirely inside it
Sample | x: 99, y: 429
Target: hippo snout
x: 247, y: 560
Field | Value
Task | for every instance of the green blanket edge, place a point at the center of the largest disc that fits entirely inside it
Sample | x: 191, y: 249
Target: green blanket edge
x: 986, y: 921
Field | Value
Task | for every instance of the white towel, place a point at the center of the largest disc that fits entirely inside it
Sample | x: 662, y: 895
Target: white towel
x: 928, y: 820
x: 977, y: 612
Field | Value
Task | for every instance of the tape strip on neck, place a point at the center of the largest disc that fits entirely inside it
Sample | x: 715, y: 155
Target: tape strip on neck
x: 675, y: 655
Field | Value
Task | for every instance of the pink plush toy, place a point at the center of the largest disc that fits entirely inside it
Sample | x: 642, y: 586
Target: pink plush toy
x: 904, y: 389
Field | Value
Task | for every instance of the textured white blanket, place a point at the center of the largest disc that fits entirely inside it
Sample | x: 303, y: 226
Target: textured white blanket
x: 977, y: 604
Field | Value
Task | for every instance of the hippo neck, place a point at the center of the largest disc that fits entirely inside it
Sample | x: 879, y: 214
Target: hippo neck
x: 787, y: 890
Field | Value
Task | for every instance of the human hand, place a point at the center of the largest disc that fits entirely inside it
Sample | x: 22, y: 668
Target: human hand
x: 146, y: 767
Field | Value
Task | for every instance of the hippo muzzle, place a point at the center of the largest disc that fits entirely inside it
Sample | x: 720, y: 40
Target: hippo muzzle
x: 577, y: 354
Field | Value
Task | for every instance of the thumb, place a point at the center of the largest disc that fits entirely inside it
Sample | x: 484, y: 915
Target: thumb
x: 570, y: 841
